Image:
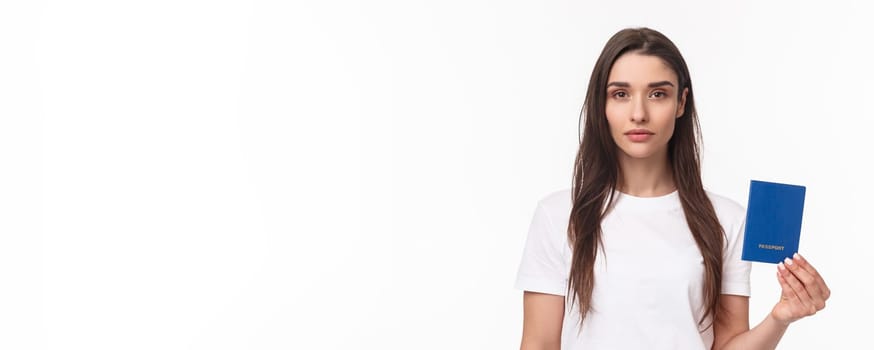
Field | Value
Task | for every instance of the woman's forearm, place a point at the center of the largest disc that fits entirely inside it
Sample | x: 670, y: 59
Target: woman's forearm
x: 532, y: 345
x: 765, y: 336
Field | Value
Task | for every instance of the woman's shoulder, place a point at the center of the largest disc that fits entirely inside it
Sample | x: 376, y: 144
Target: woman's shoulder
x: 556, y: 201
x: 725, y: 207
x: 556, y: 204
x: 557, y: 197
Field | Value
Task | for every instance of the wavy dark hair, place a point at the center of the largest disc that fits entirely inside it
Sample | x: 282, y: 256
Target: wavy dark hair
x: 596, y: 171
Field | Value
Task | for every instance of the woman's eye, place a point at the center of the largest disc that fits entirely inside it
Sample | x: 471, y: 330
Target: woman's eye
x: 620, y: 94
x: 658, y: 94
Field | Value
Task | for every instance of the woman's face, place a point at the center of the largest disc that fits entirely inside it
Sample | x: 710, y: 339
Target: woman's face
x: 642, y: 105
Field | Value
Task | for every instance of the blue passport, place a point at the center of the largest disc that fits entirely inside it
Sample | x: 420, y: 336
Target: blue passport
x: 773, y: 224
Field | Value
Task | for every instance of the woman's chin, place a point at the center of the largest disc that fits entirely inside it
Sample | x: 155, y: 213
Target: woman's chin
x: 639, y: 154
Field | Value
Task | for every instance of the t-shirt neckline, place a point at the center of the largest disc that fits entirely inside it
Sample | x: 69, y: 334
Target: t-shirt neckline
x: 667, y: 201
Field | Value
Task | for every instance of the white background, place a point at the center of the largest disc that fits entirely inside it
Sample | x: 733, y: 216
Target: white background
x: 361, y: 174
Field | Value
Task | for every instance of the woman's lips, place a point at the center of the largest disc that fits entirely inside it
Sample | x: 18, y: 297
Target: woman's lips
x: 639, y: 135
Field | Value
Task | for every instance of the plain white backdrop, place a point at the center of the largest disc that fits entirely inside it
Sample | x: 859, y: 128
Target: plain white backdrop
x: 361, y: 174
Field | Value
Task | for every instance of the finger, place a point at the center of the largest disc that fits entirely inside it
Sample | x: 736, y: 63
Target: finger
x: 815, y: 285
x: 797, y: 307
x: 797, y: 287
x: 801, y: 261
x: 811, y: 284
x: 786, y: 290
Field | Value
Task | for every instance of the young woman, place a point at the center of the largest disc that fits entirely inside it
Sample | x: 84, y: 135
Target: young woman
x: 637, y: 255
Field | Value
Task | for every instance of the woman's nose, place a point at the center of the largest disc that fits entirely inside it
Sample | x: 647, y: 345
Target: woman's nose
x: 638, y: 110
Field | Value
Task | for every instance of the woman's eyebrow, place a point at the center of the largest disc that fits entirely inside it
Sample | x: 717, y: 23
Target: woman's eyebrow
x: 661, y: 83
x: 652, y: 85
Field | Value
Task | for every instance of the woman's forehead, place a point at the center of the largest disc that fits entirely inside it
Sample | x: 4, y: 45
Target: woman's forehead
x: 637, y: 69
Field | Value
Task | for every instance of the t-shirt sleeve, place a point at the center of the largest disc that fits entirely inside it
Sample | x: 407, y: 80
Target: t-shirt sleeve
x: 542, y: 267
x: 735, y: 272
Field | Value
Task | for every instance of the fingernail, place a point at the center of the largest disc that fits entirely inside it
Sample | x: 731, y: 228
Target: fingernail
x: 788, y: 261
x: 781, y: 267
x: 797, y: 256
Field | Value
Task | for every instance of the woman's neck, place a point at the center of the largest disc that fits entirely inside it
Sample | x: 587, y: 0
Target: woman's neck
x: 651, y: 177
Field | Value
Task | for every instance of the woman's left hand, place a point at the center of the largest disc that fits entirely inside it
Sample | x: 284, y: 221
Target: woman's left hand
x: 804, y: 290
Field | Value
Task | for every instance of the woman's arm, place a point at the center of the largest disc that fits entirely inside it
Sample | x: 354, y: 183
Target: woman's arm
x: 543, y: 316
x: 804, y: 292
x: 732, y: 328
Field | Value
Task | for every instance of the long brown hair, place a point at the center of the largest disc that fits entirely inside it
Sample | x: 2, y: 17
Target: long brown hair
x: 596, y: 171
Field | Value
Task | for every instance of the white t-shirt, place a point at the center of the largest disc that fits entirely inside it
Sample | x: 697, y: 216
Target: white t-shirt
x: 648, y: 289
